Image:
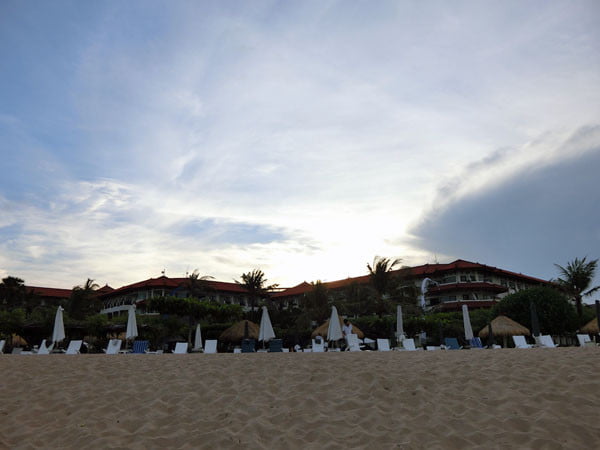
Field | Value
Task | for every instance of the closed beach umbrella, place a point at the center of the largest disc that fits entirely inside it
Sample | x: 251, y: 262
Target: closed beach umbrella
x: 198, y: 339
x: 334, y: 330
x: 399, y: 324
x: 132, y: 331
x: 58, y: 334
x: 467, y: 323
x: 265, y: 332
x: 535, y: 322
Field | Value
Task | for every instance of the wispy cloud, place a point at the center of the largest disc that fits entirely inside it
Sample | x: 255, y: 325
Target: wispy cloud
x: 302, y: 138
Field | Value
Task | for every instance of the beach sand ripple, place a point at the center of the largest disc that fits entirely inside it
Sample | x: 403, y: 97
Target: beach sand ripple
x: 539, y: 399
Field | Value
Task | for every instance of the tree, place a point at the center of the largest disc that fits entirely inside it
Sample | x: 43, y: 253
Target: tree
x: 84, y: 301
x: 194, y: 310
x: 381, y: 280
x: 576, y: 279
x: 316, y: 302
x: 199, y: 287
x: 255, y: 284
x: 13, y: 293
x: 556, y: 315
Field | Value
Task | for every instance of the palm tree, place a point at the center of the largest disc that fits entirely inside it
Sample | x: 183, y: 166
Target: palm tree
x: 576, y: 279
x: 255, y: 282
x: 198, y: 287
x: 381, y: 280
x: 84, y: 300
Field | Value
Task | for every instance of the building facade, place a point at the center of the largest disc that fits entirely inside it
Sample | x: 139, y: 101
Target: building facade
x: 119, y: 300
x: 443, y: 287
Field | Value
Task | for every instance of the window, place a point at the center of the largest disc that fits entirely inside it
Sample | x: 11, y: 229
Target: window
x: 465, y: 296
x: 473, y: 277
x: 463, y: 278
x: 504, y: 283
x: 511, y: 284
x: 448, y: 279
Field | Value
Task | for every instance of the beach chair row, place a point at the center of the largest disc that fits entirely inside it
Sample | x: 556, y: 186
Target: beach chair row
x: 318, y: 345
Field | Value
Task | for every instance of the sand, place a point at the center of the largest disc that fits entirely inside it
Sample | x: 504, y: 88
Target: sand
x: 538, y: 398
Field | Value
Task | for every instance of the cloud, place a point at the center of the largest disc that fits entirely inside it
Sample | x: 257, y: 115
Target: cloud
x: 300, y: 137
x: 538, y: 215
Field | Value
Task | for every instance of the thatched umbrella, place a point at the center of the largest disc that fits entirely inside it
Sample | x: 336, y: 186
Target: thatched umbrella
x: 503, y: 326
x: 322, y: 330
x: 235, y: 333
x: 591, y: 327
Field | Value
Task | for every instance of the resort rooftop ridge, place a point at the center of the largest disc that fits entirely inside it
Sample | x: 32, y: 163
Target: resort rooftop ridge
x: 449, y: 286
x: 408, y: 271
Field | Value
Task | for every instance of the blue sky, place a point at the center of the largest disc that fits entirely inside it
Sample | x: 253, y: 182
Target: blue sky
x: 302, y: 138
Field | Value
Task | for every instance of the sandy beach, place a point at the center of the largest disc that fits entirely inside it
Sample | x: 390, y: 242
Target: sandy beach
x: 539, y: 398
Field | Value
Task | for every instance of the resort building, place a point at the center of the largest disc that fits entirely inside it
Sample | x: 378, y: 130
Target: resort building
x: 443, y: 287
x: 118, y: 300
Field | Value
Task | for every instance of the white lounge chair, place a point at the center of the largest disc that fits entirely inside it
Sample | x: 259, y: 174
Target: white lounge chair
x: 383, y: 345
x: 43, y: 350
x: 2, y: 342
x: 353, y: 344
x: 546, y: 341
x: 409, y: 344
x: 210, y: 346
x: 181, y: 348
x: 318, y: 347
x: 432, y: 347
x: 520, y: 342
x: 585, y: 341
x: 114, y: 346
x: 74, y: 348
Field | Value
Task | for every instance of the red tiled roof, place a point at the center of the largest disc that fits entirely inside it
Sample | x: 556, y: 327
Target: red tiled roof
x: 104, y: 289
x: 417, y: 271
x: 50, y: 292
x: 296, y: 290
x: 173, y: 283
x: 428, y: 269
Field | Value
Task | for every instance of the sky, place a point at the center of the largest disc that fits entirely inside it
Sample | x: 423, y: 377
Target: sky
x: 299, y: 138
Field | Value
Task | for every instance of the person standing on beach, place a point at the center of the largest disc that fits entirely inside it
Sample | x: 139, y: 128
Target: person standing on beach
x: 347, y: 328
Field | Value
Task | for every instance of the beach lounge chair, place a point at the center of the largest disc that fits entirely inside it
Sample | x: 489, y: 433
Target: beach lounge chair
x: 2, y: 342
x: 248, y: 346
x: 74, y: 347
x: 383, y: 345
x: 584, y: 341
x: 140, y: 347
x: 114, y: 346
x: 210, y: 346
x: 475, y: 343
x: 43, y: 350
x: 16, y: 351
x: 352, y: 342
x: 181, y: 348
x: 451, y: 344
x: 317, y: 347
x: 546, y: 341
x: 432, y: 348
x: 409, y: 344
x: 276, y: 346
x: 520, y: 342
